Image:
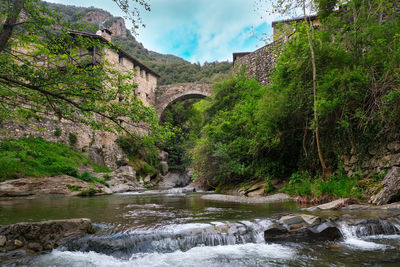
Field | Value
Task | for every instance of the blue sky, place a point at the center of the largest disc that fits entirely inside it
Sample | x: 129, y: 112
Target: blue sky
x: 197, y: 30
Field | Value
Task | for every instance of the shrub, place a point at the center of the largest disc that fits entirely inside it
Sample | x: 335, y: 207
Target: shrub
x: 73, y: 188
x: 9, y: 167
x: 57, y: 132
x: 339, y: 185
x: 73, y: 139
x: 91, y: 191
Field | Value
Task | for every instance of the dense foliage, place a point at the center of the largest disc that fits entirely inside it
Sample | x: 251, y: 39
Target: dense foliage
x: 187, y: 119
x: 142, y: 154
x: 256, y: 132
x: 34, y: 157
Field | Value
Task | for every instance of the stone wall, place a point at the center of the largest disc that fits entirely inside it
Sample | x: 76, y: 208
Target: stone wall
x: 377, y: 160
x: 259, y: 63
x: 99, y: 146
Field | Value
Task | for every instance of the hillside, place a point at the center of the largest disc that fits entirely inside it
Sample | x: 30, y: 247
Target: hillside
x: 172, y: 69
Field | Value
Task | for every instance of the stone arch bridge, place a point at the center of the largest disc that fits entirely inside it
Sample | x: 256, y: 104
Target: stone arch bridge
x: 169, y: 94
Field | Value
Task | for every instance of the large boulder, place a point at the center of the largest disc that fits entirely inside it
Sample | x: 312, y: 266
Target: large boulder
x: 56, y: 185
x: 302, y: 227
x: 390, y: 186
x: 163, y: 155
x: 164, y: 167
x: 175, y: 179
x: 124, y: 180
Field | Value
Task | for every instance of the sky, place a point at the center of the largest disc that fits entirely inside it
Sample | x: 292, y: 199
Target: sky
x: 197, y: 30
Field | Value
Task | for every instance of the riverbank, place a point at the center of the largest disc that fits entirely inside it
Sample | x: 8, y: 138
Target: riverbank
x: 65, y: 185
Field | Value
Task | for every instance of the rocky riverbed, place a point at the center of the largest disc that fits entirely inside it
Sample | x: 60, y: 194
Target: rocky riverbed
x: 17, y: 240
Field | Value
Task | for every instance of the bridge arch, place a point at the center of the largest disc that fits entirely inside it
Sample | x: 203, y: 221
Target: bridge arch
x: 169, y: 94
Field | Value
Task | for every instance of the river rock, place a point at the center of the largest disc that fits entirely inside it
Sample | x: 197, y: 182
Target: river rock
x: 57, y: 185
x: 42, y: 235
x: 175, y: 179
x: 163, y: 155
x: 390, y: 186
x: 3, y: 240
x: 333, y: 205
x: 280, y: 197
x: 164, y: 167
x: 302, y: 227
x: 393, y: 147
x: 127, y: 172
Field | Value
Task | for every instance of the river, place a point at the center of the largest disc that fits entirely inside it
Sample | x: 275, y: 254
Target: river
x: 169, y: 228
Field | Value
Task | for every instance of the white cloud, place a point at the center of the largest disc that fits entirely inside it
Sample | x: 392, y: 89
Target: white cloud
x: 198, y: 30
x: 219, y: 27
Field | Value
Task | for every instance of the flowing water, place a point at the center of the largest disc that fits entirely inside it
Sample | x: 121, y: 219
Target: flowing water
x: 173, y: 229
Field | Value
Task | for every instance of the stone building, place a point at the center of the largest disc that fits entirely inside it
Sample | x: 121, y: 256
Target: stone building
x: 100, y: 146
x: 261, y: 62
x: 145, y: 77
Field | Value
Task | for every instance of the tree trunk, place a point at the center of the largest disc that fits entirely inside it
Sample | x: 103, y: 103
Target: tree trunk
x: 8, y: 27
x: 314, y: 82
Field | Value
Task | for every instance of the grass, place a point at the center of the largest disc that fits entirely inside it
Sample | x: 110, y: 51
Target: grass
x: 87, y: 177
x: 339, y: 185
x: 34, y: 157
x: 73, y: 187
x: 91, y: 191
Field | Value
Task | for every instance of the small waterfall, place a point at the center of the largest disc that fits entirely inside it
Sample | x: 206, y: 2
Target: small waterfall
x: 355, y: 234
x: 173, y: 238
x: 370, y: 227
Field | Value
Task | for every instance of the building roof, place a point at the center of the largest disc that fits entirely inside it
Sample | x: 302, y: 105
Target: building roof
x: 120, y: 51
x: 313, y: 17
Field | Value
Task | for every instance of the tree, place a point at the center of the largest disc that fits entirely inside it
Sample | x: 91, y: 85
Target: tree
x: 307, y: 7
x: 44, y: 72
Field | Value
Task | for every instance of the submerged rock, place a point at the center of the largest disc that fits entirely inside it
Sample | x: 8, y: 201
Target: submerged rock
x: 41, y: 236
x: 390, y: 186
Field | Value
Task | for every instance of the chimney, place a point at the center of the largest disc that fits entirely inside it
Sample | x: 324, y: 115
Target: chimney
x: 106, y: 33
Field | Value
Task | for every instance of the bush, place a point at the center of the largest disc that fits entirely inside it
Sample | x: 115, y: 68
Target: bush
x: 9, y: 167
x: 73, y: 188
x: 339, y: 185
x: 57, y: 132
x: 73, y: 139
x: 91, y: 191
x: 142, y: 153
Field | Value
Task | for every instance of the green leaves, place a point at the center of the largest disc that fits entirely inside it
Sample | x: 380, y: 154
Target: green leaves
x: 47, y: 70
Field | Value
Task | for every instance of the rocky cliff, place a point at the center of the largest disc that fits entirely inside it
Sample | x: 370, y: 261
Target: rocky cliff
x: 101, y: 17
